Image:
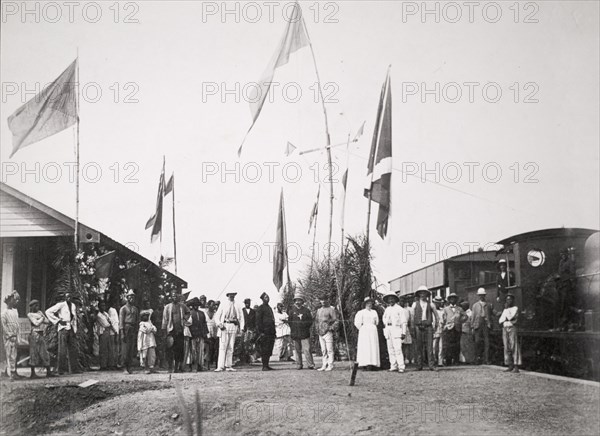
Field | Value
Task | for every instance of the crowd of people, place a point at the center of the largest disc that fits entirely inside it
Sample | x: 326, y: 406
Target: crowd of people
x: 201, y: 335
x: 434, y: 331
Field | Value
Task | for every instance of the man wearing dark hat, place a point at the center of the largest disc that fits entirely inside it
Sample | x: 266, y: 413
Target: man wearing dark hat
x: 249, y: 332
x: 508, y: 320
x: 265, y: 328
x: 452, y: 321
x: 199, y: 332
x: 425, y: 320
x: 230, y: 322
x: 300, y: 324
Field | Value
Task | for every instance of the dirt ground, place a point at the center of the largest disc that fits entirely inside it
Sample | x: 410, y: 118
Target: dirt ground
x: 462, y: 400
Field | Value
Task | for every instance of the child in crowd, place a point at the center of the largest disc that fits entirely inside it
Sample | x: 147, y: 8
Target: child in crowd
x: 147, y: 342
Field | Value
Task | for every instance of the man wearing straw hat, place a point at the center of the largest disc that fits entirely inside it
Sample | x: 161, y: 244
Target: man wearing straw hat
x: 425, y: 320
x: 230, y: 321
x: 300, y: 324
x: 437, y: 334
x: 395, y: 321
x: 452, y: 321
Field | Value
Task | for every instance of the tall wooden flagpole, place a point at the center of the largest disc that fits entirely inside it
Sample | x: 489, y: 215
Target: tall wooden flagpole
x: 174, y: 234
x: 76, y: 232
x: 328, y: 141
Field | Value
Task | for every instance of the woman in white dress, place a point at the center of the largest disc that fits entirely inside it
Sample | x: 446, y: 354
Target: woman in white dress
x: 367, y: 350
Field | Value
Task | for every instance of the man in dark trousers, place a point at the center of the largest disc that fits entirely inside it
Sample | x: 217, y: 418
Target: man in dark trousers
x: 452, y: 321
x: 300, y: 324
x: 129, y: 319
x: 249, y: 333
x: 265, y: 327
x: 425, y: 321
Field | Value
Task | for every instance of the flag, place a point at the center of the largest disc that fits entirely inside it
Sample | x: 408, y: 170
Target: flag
x: 280, y: 253
x: 104, y: 264
x: 155, y: 221
x: 343, y: 197
x: 289, y: 148
x: 380, y: 159
x: 294, y: 38
x: 315, y: 211
x: 360, y: 132
x: 169, y: 185
x: 51, y: 111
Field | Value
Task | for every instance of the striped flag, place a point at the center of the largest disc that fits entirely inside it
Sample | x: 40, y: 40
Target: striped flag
x: 294, y: 38
x: 314, y: 212
x: 380, y: 159
x: 280, y: 253
x: 49, y: 112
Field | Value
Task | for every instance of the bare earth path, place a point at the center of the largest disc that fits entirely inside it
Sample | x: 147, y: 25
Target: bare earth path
x: 463, y: 400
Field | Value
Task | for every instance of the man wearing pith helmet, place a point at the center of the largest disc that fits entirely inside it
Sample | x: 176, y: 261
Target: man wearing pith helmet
x: 395, y: 324
x: 425, y: 320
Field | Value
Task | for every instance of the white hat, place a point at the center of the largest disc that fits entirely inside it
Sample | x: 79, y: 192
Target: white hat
x: 130, y: 293
x: 502, y: 261
x: 422, y: 288
x: 390, y: 294
x: 481, y: 291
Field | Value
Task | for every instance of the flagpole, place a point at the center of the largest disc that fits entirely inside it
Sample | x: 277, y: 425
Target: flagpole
x: 345, y: 189
x: 328, y: 143
x: 312, y: 260
x: 174, y: 234
x: 76, y: 235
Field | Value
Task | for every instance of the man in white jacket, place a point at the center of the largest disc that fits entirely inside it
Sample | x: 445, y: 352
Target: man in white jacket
x: 395, y: 321
x: 64, y: 314
x: 230, y: 321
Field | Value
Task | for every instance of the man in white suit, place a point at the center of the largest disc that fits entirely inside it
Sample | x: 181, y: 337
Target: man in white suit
x: 395, y: 321
x: 230, y: 321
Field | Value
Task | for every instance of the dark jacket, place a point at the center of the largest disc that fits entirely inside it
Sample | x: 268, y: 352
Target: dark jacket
x: 265, y: 321
x: 249, y: 319
x: 300, y: 322
x: 198, y: 328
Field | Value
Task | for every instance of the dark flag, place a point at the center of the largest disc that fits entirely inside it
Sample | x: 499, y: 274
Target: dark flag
x: 104, y: 265
x: 280, y: 254
x: 380, y: 159
x: 343, y: 197
x: 315, y: 211
x: 155, y: 221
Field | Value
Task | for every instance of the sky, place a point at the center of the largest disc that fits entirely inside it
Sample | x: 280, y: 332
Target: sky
x: 495, y: 125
